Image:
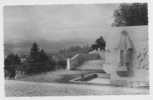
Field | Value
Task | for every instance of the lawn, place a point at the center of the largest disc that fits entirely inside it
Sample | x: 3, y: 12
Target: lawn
x: 57, y: 76
x: 66, y: 75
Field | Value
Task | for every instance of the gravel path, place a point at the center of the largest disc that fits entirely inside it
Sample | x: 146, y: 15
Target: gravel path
x: 21, y: 88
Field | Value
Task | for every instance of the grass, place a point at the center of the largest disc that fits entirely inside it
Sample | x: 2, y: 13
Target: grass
x: 65, y: 76
x: 58, y: 76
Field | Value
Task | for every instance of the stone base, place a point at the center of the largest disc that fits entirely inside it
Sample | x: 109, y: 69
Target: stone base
x: 122, y: 71
x: 133, y: 84
x: 136, y: 78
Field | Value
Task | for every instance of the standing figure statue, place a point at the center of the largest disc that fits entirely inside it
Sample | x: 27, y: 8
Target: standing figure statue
x: 126, y: 52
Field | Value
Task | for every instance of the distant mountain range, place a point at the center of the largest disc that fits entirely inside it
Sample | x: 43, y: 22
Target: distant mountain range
x: 23, y: 47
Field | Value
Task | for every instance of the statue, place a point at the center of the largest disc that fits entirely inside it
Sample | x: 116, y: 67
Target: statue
x: 126, y: 53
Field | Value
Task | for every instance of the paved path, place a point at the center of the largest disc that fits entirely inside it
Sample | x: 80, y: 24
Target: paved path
x: 21, y: 88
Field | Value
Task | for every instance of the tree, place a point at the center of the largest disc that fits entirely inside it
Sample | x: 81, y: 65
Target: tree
x: 34, y: 53
x: 12, y: 59
x: 11, y: 63
x: 43, y: 56
x: 94, y: 47
x: 131, y: 14
x: 99, y: 43
x: 38, y: 61
x: 49, y: 63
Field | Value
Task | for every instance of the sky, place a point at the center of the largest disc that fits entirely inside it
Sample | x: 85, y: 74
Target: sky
x: 57, y: 22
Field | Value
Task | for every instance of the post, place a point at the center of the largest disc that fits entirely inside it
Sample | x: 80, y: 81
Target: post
x: 68, y: 64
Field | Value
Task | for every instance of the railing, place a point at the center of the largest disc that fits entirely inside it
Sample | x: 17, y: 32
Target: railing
x: 75, y: 56
x: 79, y: 59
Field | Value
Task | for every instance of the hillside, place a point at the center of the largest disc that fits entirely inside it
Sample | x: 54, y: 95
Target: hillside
x: 23, y: 47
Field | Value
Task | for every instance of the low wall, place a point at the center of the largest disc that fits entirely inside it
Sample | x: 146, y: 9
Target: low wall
x: 139, y: 37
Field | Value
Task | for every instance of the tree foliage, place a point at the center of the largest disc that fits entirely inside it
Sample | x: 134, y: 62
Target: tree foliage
x: 99, y: 43
x: 38, y: 61
x: 131, y: 14
x: 11, y: 62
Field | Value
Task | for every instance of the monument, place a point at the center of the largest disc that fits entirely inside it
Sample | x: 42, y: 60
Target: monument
x: 127, y: 62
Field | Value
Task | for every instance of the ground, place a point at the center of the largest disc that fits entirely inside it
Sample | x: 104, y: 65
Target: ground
x: 21, y: 88
x: 57, y: 83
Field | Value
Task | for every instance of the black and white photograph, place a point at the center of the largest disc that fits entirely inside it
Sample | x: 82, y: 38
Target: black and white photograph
x: 76, y: 49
